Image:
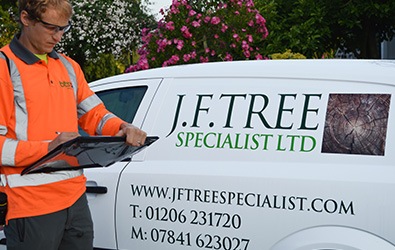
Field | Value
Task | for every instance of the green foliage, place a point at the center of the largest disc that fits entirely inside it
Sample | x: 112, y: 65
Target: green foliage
x: 203, y: 31
x: 314, y: 27
x: 105, y: 27
x: 8, y: 24
x: 288, y: 54
x: 102, y: 66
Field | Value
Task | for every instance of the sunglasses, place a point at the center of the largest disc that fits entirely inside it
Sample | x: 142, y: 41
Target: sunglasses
x: 55, y: 28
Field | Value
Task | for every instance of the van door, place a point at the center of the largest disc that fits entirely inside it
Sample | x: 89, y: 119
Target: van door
x: 130, y: 101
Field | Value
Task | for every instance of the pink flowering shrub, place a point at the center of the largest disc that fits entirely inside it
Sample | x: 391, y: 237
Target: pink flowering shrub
x: 203, y: 31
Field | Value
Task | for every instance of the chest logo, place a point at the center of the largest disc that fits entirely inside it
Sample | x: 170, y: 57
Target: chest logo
x: 68, y: 85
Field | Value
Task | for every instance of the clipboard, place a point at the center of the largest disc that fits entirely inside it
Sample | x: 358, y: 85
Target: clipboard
x: 87, y: 152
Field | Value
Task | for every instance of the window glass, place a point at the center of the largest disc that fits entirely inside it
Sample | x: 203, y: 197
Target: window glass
x: 123, y: 102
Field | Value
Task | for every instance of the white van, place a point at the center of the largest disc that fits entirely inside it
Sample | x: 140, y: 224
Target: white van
x: 252, y: 155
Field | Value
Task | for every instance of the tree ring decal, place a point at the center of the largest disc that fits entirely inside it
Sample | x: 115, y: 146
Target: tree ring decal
x: 356, y: 124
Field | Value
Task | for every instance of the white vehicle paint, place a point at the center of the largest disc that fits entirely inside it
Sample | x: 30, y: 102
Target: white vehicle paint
x: 252, y: 155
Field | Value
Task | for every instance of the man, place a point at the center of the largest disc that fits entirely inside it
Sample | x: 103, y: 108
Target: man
x: 43, y: 93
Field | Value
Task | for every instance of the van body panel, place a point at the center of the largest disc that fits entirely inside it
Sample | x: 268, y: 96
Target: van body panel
x: 260, y: 155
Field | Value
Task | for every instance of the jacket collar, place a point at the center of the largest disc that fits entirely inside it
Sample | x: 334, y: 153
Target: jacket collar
x: 26, y: 55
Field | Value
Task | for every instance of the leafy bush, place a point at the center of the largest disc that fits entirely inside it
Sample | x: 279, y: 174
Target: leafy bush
x: 203, y: 31
x: 102, y: 66
x: 288, y: 54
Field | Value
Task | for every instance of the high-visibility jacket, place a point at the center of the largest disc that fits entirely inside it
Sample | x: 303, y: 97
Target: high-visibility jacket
x: 38, y: 99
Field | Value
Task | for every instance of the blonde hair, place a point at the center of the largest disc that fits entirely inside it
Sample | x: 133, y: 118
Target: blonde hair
x: 35, y: 8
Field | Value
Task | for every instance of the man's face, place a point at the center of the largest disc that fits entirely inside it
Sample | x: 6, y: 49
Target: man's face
x: 41, y: 35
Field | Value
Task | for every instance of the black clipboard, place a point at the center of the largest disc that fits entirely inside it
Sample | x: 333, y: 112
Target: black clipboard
x: 86, y: 152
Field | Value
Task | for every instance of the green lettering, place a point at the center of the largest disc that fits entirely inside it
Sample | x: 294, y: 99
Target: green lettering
x: 198, y: 139
x: 228, y: 140
x: 313, y: 143
x: 205, y: 140
x: 281, y: 109
x: 179, y: 137
x: 266, y: 140
x: 280, y: 137
x: 306, y: 110
x: 189, y: 138
x: 292, y: 148
x: 237, y: 142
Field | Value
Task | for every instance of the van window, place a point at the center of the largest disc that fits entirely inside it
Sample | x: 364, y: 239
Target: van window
x: 123, y: 102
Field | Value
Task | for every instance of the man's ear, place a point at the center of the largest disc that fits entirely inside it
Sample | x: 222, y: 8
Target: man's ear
x: 24, y: 18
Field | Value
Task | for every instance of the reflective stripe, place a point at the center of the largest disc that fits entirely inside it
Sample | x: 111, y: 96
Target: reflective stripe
x: 88, y: 104
x: 71, y: 72
x: 9, y: 146
x: 99, y: 129
x: 3, y: 130
x: 8, y: 152
x: 17, y: 180
x: 3, y: 180
x: 20, y: 103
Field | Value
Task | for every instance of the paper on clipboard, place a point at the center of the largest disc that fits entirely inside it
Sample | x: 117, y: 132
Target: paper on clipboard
x: 87, y: 152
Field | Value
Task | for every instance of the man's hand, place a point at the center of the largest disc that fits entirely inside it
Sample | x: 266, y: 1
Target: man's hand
x: 62, y: 138
x: 134, y: 135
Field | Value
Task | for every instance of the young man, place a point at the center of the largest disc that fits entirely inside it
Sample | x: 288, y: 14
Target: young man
x: 42, y: 93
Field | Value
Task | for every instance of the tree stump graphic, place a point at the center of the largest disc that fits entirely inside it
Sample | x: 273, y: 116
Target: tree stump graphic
x: 356, y: 124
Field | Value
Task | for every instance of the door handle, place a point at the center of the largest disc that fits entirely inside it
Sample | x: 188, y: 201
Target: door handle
x: 96, y: 190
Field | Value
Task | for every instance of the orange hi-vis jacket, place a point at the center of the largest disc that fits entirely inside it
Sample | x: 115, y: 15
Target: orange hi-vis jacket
x: 38, y: 99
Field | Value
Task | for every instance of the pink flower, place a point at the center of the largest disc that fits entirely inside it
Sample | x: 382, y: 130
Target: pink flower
x: 222, y: 6
x: 185, y: 32
x: 180, y: 44
x: 145, y: 31
x: 250, y: 3
x: 170, y: 26
x: 187, y: 57
x: 224, y: 28
x: 174, y: 10
x: 144, y: 63
x: 196, y: 24
x: 244, y: 45
x: 192, y: 13
x: 258, y: 57
x: 247, y: 54
x: 172, y: 61
x: 162, y: 43
x: 215, y: 20
x: 228, y: 57
x: 207, y: 19
x: 236, y: 37
x: 203, y: 59
x: 259, y: 19
x: 216, y: 36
